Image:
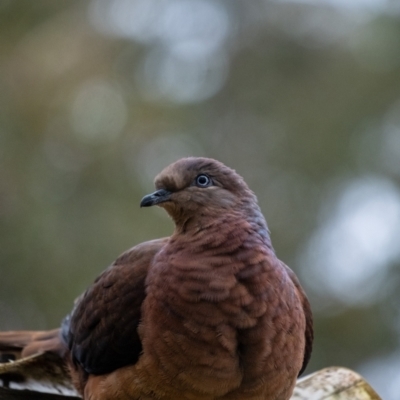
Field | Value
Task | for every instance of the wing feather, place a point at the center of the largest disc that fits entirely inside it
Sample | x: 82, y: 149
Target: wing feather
x: 101, y: 331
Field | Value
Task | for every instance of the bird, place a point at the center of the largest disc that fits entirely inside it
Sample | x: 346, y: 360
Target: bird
x: 209, y: 313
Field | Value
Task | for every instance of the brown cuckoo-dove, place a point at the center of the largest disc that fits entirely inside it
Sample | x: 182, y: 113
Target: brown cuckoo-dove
x: 207, y: 313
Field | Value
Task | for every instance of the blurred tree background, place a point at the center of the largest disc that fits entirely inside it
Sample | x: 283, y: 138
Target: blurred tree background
x: 302, y: 98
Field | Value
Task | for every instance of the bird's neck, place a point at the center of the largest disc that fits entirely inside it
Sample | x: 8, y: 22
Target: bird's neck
x: 216, y: 228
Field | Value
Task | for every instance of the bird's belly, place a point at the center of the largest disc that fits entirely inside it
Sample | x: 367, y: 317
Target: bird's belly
x: 194, y: 350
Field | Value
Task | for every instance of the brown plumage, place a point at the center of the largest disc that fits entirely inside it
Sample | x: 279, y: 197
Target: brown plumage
x: 208, y: 313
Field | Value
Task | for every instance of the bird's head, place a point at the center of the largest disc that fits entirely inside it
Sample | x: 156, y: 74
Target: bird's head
x: 193, y: 188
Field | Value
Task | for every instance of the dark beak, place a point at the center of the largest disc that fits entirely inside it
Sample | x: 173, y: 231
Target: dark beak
x: 159, y: 196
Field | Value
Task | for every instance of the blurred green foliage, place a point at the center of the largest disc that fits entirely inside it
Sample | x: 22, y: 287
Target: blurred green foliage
x: 301, y: 98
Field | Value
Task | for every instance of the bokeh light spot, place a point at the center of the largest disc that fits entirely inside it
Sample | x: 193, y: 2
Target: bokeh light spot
x: 349, y: 254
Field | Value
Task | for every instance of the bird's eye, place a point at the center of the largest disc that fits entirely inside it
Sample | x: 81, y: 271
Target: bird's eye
x: 203, y: 181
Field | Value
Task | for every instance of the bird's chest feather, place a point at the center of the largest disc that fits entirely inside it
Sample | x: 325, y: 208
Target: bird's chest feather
x: 210, y: 287
x: 196, y: 308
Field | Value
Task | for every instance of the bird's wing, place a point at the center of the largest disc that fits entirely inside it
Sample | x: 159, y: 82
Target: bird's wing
x: 101, y: 331
x: 309, y: 333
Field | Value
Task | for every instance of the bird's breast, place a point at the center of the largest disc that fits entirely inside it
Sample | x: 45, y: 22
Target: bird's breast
x: 209, y: 306
x: 186, y: 328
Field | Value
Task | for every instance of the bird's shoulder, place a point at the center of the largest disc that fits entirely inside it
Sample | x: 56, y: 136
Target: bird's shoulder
x: 101, y: 331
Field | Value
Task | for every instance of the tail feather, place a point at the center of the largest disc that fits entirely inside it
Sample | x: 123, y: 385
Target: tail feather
x: 27, y: 343
x: 32, y: 356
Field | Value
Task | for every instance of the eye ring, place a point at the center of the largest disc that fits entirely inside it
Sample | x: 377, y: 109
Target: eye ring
x: 203, y: 181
